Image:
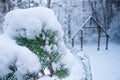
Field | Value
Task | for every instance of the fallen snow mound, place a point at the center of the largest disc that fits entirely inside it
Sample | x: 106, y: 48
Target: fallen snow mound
x: 29, y: 22
x: 13, y: 54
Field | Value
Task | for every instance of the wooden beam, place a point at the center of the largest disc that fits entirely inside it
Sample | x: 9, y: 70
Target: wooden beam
x: 81, y: 27
x: 107, y: 37
x: 90, y: 27
x: 99, y: 32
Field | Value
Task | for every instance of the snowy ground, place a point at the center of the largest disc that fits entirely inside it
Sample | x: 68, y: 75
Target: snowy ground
x: 105, y: 64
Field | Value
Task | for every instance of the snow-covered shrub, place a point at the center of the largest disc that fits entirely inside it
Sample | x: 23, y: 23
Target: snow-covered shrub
x: 32, y: 32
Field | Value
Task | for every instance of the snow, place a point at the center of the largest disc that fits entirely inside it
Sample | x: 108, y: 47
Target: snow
x: 104, y: 63
x: 46, y: 78
x: 31, y: 62
x: 77, y: 71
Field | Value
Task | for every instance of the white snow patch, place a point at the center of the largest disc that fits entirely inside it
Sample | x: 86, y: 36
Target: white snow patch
x: 23, y: 58
x: 46, y: 78
x: 105, y: 64
x: 29, y: 22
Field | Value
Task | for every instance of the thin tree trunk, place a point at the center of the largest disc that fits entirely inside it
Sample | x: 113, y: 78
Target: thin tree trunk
x: 94, y: 11
x: 69, y: 26
x: 40, y: 2
x: 98, y: 28
x: 49, y: 3
x: 107, y: 9
x: 29, y: 3
x: 104, y: 14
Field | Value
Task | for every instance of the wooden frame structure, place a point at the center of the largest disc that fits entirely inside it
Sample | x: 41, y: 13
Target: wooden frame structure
x: 100, y: 29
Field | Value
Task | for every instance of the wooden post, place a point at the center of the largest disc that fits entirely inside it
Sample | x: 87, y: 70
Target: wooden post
x: 81, y: 40
x: 107, y: 37
x: 72, y: 42
x: 99, y: 31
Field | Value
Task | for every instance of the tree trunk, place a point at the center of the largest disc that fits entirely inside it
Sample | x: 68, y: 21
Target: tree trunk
x: 104, y: 14
x: 94, y: 11
x: 69, y: 26
x: 29, y: 3
x: 49, y: 3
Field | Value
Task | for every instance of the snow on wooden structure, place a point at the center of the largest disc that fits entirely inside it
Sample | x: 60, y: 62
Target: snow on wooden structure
x: 99, y: 29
